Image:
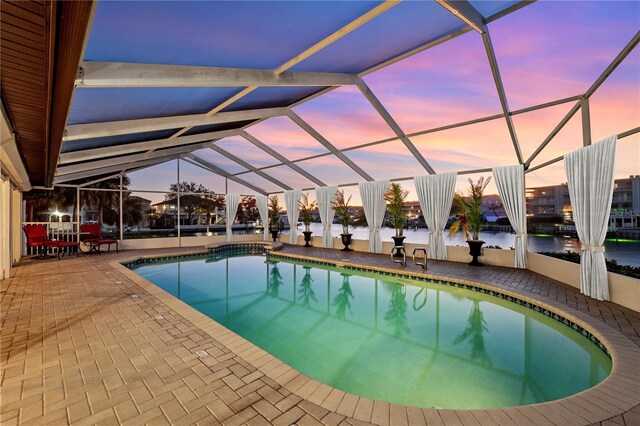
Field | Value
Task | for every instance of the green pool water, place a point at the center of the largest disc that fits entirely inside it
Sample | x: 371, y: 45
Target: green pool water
x: 419, y: 344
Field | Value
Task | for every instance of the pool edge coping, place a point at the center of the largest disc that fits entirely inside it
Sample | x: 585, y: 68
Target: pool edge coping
x: 615, y: 395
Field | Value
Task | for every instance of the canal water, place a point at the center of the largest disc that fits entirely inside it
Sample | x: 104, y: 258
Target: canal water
x: 626, y: 252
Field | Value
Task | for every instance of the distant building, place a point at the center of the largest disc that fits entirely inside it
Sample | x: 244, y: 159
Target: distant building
x: 625, y: 205
x: 548, y: 201
x: 554, y: 200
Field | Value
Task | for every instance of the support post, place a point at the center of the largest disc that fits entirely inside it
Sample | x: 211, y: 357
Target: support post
x: 586, y: 121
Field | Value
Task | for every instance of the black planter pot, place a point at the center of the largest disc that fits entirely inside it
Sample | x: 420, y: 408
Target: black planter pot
x: 398, y: 241
x: 274, y: 234
x: 346, y: 240
x: 307, y: 238
x: 475, y: 250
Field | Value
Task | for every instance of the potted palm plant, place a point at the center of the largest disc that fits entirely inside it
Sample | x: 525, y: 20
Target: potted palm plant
x: 471, y: 217
x: 395, y: 197
x: 306, y: 208
x: 341, y: 207
x: 274, y: 216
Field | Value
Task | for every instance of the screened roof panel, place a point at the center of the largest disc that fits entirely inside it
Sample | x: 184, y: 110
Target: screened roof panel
x: 270, y: 97
x: 155, y: 178
x: 400, y: 29
x: 210, y: 33
x: 330, y: 170
x: 386, y: 161
x: 290, y: 177
x: 470, y: 147
x: 345, y: 118
x: 553, y: 174
x: 567, y: 140
x: 533, y: 127
x: 94, y: 105
x: 449, y: 83
x: 247, y: 151
x: 260, y: 182
x: 628, y: 157
x: 219, y: 160
x: 287, y: 138
x: 489, y: 7
x: 82, y: 144
x: 192, y: 173
x: 557, y: 49
x: 235, y: 188
x: 607, y: 117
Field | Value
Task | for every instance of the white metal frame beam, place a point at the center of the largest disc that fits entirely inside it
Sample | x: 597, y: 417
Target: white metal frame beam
x: 119, y: 168
x: 193, y: 141
x: 203, y: 164
x: 114, y: 128
x: 284, y: 160
x: 123, y: 74
x: 377, y: 105
x: 335, y: 151
x: 125, y: 159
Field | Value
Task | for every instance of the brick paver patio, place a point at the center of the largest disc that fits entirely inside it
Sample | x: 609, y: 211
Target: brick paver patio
x: 84, y: 342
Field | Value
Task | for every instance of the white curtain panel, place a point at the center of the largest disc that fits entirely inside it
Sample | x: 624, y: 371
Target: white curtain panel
x: 263, y: 208
x: 292, y: 202
x: 325, y: 196
x: 372, y: 194
x: 510, y: 183
x: 590, y: 175
x: 435, y: 193
x: 231, y: 201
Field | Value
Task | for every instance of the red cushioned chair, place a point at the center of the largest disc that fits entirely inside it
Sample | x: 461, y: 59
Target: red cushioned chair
x: 37, y: 237
x: 93, y: 237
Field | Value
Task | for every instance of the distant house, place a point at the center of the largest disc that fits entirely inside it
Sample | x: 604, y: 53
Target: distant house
x: 190, y: 213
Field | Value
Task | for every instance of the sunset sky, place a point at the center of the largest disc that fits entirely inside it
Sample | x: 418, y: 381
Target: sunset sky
x: 546, y: 51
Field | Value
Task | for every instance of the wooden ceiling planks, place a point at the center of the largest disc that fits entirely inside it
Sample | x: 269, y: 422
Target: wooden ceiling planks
x: 25, y: 33
x: 41, y: 46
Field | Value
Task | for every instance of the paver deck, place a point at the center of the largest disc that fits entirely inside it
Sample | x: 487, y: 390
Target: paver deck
x: 83, y: 341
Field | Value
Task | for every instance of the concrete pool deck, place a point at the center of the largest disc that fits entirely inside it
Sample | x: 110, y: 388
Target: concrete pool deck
x: 85, y: 340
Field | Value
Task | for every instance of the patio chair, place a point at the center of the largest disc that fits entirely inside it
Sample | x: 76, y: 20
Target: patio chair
x: 37, y: 238
x: 93, y: 237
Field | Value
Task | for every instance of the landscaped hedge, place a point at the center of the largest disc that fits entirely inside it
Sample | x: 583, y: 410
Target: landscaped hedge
x: 612, y: 265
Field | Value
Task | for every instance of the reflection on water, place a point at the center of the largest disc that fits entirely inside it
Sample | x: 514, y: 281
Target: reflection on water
x: 474, y: 332
x: 626, y: 252
x: 342, y: 301
x: 453, y: 348
x: 275, y: 280
x: 396, y: 315
x: 305, y: 292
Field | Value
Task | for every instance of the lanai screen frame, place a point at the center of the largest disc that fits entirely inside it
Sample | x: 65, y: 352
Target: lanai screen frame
x: 136, y: 156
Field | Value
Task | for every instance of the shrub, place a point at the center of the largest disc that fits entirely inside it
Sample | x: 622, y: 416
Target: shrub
x: 612, y: 264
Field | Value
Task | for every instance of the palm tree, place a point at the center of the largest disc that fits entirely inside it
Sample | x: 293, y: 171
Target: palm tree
x: 132, y: 211
x: 43, y: 201
x: 105, y: 201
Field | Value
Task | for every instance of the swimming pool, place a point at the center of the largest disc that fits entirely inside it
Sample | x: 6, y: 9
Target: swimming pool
x: 420, y: 344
